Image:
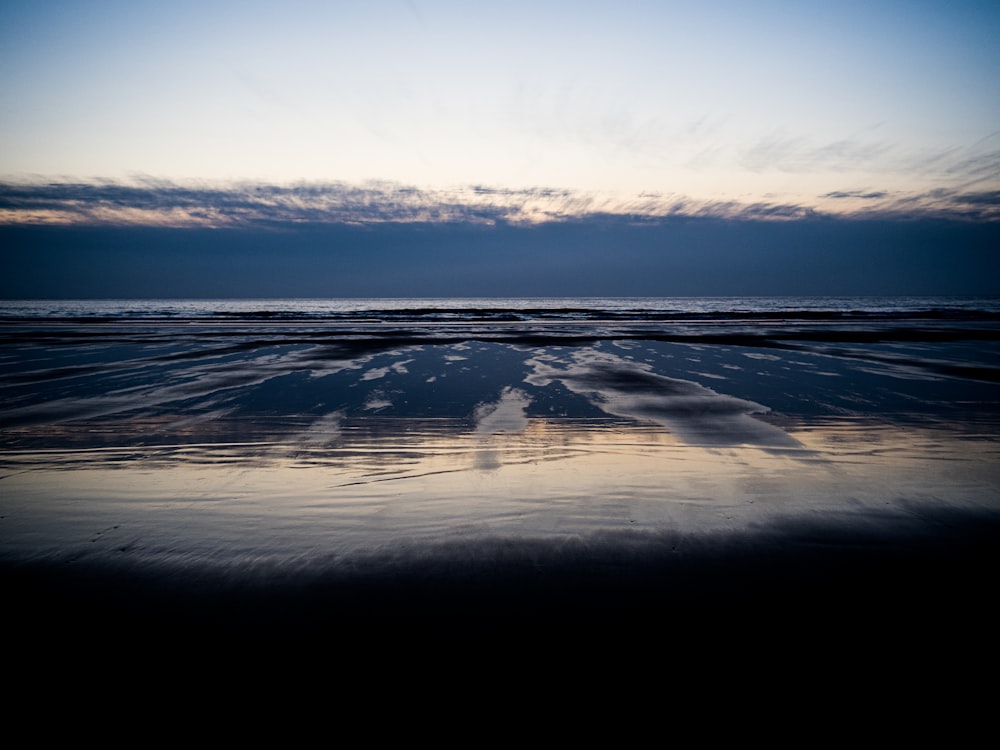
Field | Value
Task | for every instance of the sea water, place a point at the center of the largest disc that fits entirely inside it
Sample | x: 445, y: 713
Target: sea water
x: 272, y: 445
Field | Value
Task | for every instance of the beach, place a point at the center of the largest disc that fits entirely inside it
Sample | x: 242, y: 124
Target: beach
x: 513, y: 477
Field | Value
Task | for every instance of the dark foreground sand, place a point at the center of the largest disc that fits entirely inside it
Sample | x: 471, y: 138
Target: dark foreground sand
x: 818, y: 605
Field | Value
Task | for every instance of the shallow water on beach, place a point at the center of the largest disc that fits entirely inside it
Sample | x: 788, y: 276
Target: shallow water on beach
x: 239, y: 446
x: 389, y: 487
x: 735, y: 481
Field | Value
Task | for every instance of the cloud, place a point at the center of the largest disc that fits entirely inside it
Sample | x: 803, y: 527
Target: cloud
x: 939, y: 203
x: 989, y: 198
x: 975, y: 164
x: 952, y: 182
x: 147, y: 201
x: 970, y: 204
x: 872, y: 195
x: 798, y: 154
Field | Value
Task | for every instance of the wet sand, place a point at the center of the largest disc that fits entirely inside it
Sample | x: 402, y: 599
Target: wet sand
x: 490, y: 490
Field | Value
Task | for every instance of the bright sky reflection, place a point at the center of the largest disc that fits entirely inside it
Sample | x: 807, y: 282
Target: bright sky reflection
x: 404, y: 482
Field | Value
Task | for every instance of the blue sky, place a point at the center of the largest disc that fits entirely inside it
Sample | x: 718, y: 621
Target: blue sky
x: 523, y: 111
x: 777, y: 101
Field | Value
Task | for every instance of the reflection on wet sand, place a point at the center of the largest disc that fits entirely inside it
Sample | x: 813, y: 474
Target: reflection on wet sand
x: 698, y: 414
x: 347, y: 485
x: 472, y: 483
x: 471, y: 439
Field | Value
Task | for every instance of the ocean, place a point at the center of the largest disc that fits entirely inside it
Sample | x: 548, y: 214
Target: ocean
x: 404, y: 470
x: 661, y: 308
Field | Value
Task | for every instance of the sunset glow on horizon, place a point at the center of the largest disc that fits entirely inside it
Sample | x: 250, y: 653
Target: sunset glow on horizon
x: 838, y: 109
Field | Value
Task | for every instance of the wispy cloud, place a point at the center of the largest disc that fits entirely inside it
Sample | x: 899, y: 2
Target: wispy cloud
x: 872, y: 195
x: 800, y: 154
x: 941, y: 203
x: 147, y: 201
x: 957, y: 170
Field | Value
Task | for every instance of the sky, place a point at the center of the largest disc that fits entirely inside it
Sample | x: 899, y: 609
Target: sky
x: 265, y: 115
